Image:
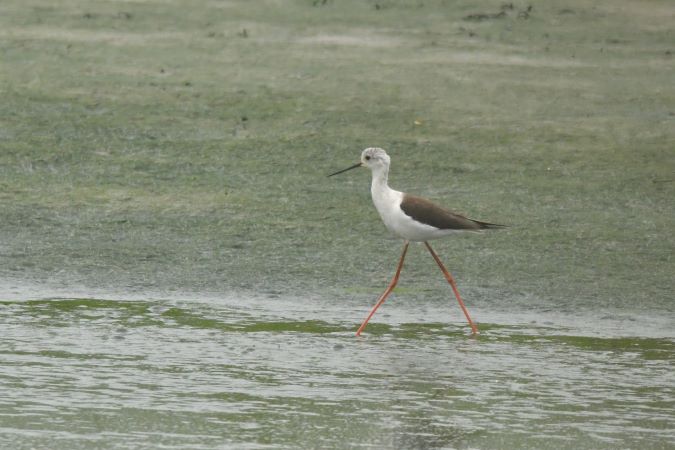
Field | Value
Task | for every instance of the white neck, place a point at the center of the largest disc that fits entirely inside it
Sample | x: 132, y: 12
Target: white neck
x: 380, y: 178
x: 386, y: 199
x: 383, y: 196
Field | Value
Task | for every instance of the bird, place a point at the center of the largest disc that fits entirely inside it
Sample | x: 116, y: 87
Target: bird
x: 414, y: 219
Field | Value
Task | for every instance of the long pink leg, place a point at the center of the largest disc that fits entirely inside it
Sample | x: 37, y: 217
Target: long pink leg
x: 387, y: 291
x: 451, y: 280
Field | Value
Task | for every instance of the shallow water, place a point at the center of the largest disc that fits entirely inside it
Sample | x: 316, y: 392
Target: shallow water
x: 176, y: 271
x: 289, y: 373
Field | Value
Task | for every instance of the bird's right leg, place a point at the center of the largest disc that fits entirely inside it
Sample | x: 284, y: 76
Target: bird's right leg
x: 453, y: 285
x: 387, y: 291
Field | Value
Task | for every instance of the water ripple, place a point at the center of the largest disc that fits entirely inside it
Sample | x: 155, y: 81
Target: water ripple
x: 78, y: 373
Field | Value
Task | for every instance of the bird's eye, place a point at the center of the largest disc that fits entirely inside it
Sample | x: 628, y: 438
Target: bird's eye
x: 367, y: 158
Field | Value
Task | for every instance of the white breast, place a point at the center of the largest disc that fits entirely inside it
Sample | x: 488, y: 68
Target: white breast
x: 388, y: 203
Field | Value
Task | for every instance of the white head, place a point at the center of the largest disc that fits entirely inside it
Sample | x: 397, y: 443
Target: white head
x: 373, y: 158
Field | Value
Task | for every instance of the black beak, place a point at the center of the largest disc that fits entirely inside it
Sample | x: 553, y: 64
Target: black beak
x: 344, y: 170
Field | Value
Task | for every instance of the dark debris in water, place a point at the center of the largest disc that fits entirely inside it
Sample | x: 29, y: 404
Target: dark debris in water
x: 480, y: 17
x: 505, y: 9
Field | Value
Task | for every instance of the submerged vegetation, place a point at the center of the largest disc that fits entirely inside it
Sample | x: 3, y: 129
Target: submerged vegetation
x: 177, y: 271
x: 173, y: 148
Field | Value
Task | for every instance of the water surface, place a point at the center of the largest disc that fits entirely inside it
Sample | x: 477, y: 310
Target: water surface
x: 289, y: 372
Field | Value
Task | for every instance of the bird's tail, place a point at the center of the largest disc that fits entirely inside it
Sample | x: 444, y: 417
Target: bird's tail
x: 489, y: 226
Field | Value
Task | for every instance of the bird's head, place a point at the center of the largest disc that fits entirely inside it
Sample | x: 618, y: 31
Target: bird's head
x: 374, y: 158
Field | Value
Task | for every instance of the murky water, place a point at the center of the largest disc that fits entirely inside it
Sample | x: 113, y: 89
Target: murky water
x: 172, y: 162
x: 289, y: 373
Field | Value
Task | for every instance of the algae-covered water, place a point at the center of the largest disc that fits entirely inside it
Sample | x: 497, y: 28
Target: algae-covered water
x: 288, y: 372
x: 176, y: 271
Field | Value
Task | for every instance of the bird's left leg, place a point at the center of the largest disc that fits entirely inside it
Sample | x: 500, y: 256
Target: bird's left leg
x: 387, y: 291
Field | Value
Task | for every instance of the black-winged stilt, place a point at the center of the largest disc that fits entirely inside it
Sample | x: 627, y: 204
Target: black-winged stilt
x: 413, y: 219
